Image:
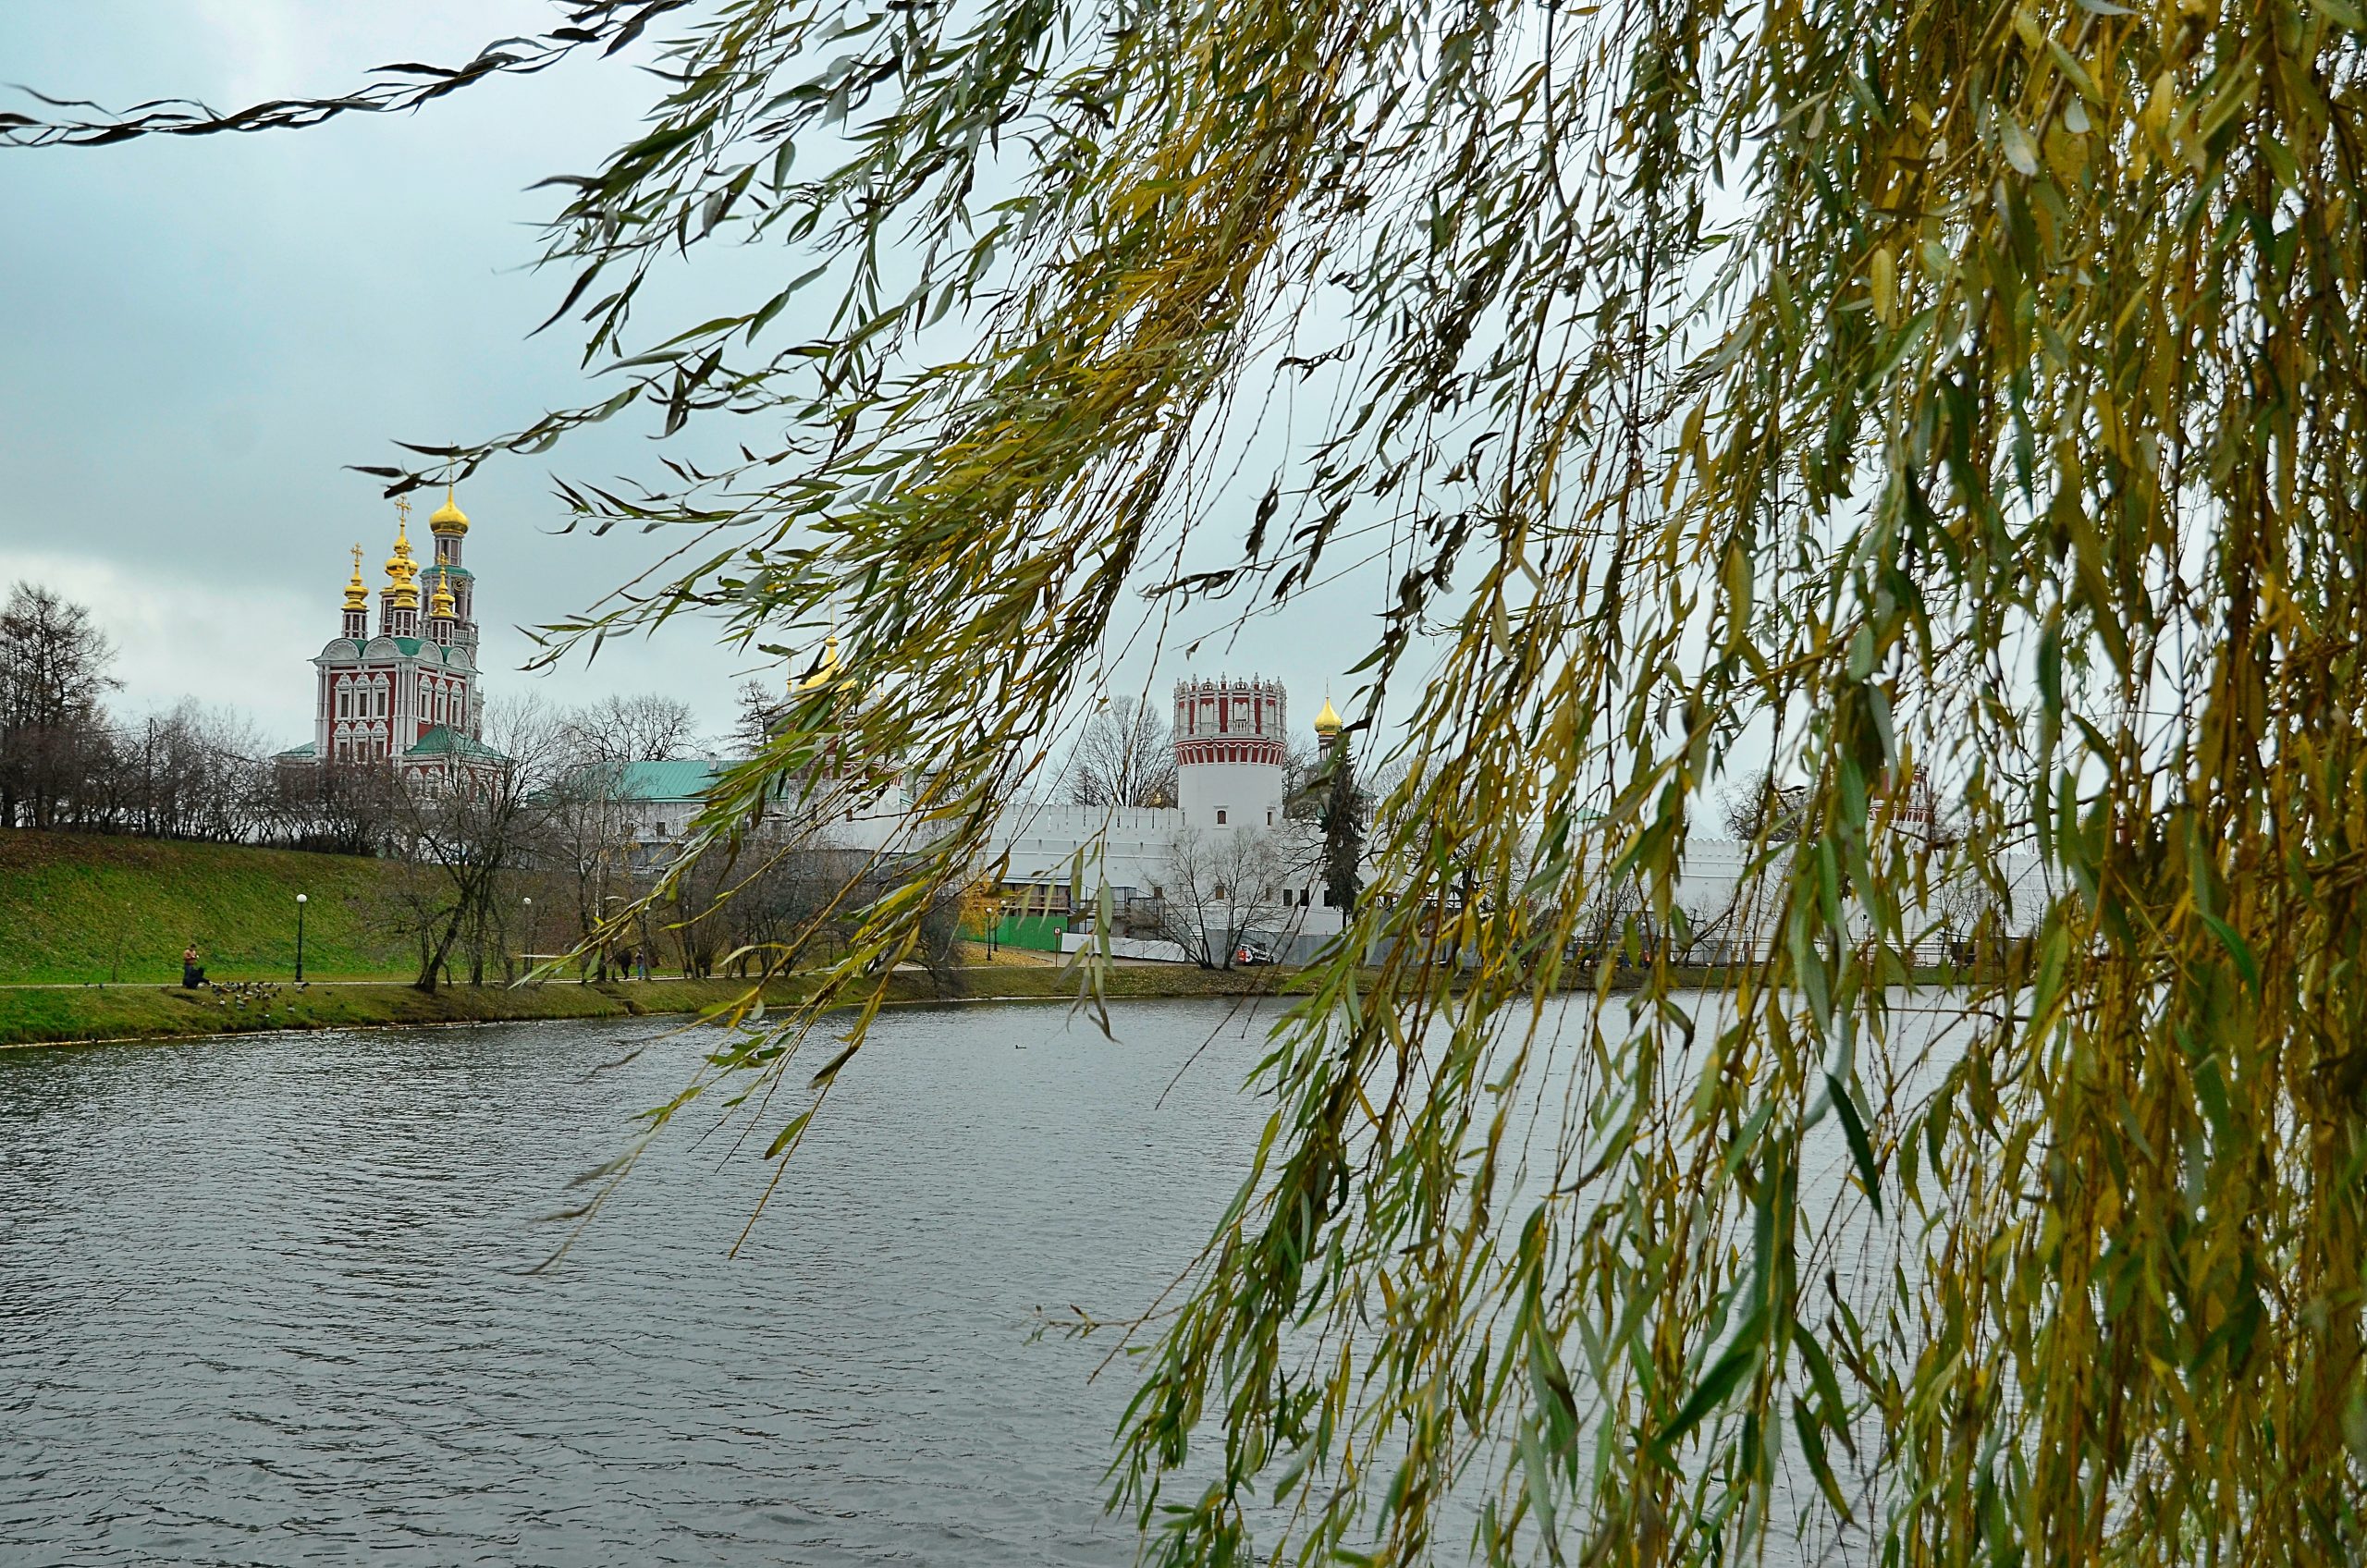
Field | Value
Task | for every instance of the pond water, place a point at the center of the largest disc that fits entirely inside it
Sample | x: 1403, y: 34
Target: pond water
x: 270, y: 1300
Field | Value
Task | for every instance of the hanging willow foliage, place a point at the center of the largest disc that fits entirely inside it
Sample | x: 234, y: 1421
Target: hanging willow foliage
x: 1962, y: 393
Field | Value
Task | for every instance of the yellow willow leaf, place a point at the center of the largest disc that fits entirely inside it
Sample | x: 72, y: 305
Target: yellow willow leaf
x: 1884, y: 280
x: 2015, y: 143
x: 2063, y: 417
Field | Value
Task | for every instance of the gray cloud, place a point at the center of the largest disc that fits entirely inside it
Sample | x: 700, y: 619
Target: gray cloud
x: 198, y: 335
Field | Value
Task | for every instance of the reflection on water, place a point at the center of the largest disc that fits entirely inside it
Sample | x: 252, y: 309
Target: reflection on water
x: 265, y: 1301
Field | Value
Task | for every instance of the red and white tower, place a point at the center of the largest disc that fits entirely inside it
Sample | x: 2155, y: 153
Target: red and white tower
x: 1229, y: 751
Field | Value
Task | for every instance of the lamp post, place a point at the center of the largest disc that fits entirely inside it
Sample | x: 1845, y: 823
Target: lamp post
x: 528, y: 921
x: 299, y: 938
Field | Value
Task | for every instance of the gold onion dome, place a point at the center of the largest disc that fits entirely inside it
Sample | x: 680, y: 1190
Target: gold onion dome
x: 1328, y: 721
x: 357, y: 593
x: 448, y: 517
x: 827, y: 673
x: 441, y: 605
x: 401, y: 571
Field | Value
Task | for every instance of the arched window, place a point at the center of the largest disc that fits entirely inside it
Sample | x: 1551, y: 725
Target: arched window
x: 1219, y: 824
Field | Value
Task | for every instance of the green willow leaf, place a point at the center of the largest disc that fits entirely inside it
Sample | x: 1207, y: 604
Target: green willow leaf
x: 1854, y: 1127
x: 1717, y: 1385
x: 1783, y: 424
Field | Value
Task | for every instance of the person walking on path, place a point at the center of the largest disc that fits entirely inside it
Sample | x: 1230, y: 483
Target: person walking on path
x: 192, y: 973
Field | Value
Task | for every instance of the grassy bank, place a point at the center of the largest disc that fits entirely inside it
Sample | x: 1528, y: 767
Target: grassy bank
x: 65, y: 1014
x: 79, y: 907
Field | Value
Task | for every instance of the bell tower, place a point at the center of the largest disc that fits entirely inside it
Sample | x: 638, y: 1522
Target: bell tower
x: 450, y: 526
x: 398, y: 601
x: 357, y: 602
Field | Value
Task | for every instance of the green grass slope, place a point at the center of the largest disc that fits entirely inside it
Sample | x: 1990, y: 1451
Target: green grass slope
x: 77, y: 908
x: 33, y: 1015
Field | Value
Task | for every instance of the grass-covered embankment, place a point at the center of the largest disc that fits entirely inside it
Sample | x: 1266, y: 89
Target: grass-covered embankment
x: 67, y: 1014
x: 77, y: 908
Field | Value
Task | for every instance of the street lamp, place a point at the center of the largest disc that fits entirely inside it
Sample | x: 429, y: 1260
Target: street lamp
x: 299, y: 938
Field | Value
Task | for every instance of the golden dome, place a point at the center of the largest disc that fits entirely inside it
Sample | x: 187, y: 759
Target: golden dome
x: 357, y: 594
x: 1329, y: 722
x: 441, y: 604
x: 828, y: 672
x: 448, y: 517
x: 402, y: 572
x: 400, y: 569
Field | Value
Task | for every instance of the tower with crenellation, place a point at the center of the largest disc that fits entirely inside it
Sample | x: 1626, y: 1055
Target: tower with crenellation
x: 1230, y: 752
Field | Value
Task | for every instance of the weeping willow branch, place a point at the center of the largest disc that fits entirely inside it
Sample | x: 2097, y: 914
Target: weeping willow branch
x: 1957, y: 401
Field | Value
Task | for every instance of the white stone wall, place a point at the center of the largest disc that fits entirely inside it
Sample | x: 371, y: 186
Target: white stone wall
x: 1042, y: 841
x: 1247, y: 794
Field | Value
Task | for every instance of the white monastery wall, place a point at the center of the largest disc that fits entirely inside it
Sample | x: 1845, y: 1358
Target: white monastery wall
x: 1235, y: 794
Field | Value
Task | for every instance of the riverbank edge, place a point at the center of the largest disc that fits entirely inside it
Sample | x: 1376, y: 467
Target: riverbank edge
x: 33, y: 1017
x: 38, y: 1016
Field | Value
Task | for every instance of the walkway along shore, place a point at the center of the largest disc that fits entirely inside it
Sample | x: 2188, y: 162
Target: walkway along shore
x: 50, y: 1015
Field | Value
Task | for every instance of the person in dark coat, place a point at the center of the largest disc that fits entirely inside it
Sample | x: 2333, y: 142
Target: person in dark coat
x: 192, y: 973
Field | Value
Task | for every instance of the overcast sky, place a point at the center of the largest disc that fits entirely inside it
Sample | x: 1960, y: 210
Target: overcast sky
x: 196, y: 337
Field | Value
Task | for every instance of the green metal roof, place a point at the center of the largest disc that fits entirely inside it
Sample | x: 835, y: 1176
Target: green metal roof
x: 293, y: 752
x: 686, y: 779
x: 444, y: 740
x: 421, y: 647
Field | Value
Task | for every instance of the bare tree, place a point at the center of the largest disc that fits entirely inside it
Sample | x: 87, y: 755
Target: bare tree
x: 194, y: 772
x: 647, y: 728
x: 586, y: 834
x: 54, y: 677
x: 1711, y: 921
x: 583, y: 839
x: 1219, y: 886
x: 467, y: 836
x: 1966, y: 918
x: 1124, y: 758
x: 344, y: 808
x: 1758, y: 808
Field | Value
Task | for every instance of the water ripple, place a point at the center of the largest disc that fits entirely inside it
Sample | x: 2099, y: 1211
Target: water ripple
x: 269, y: 1301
